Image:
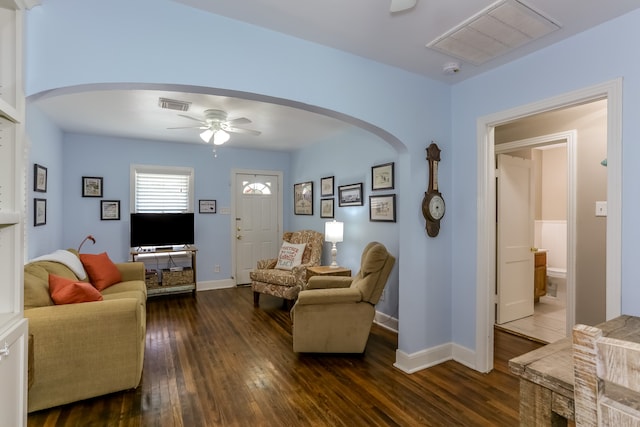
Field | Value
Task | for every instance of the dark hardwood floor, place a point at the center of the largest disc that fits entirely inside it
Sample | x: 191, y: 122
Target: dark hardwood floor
x: 214, y: 360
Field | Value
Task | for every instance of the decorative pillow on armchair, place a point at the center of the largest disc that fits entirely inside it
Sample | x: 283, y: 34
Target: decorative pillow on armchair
x: 290, y: 255
x: 101, y: 270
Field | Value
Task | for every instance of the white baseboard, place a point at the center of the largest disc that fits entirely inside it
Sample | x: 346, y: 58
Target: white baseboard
x: 386, y: 321
x: 427, y: 358
x: 210, y: 285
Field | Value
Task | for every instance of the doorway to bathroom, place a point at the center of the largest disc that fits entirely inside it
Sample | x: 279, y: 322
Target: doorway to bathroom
x: 559, y: 195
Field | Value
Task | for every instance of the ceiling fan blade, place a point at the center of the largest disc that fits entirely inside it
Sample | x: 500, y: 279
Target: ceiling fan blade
x: 400, y: 5
x: 190, y: 127
x: 239, y: 121
x: 192, y: 118
x: 241, y: 130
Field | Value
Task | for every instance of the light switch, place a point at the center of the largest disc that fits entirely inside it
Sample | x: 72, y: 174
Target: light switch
x: 601, y: 208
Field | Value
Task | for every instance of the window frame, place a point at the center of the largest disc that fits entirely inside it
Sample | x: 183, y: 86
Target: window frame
x: 157, y: 169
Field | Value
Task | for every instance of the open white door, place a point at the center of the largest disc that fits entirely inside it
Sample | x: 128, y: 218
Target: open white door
x: 257, y: 218
x: 515, y: 229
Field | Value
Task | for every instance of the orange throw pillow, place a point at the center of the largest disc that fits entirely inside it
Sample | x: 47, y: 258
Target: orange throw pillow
x: 101, y: 270
x: 68, y: 291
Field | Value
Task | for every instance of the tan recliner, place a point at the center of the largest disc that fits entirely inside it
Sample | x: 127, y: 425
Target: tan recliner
x: 334, y: 314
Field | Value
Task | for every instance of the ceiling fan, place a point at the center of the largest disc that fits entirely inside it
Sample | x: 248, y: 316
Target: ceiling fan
x: 216, y: 125
x: 400, y: 5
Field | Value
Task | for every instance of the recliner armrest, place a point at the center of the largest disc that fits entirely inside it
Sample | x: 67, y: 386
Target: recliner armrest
x: 329, y: 296
x: 329, y: 282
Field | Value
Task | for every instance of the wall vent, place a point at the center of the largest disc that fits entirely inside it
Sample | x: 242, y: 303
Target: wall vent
x: 494, y: 31
x: 173, y: 104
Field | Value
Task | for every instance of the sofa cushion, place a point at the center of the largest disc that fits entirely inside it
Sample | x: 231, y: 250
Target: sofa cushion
x: 69, y: 291
x: 36, y: 286
x: 290, y: 255
x: 101, y: 270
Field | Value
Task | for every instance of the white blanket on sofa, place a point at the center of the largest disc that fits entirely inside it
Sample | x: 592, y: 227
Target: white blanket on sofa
x: 67, y: 258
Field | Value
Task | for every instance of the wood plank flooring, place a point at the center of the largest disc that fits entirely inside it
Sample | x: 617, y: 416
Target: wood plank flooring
x: 214, y: 360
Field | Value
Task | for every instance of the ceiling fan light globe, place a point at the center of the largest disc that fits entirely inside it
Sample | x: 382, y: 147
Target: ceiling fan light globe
x: 220, y: 137
x: 206, y: 135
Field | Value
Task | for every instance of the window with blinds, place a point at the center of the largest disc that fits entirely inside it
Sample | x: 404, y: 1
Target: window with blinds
x: 162, y: 189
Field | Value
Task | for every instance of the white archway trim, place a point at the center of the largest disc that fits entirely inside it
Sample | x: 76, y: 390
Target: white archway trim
x: 486, y: 227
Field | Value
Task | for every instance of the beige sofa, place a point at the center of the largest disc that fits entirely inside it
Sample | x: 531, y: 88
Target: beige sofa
x: 86, y: 349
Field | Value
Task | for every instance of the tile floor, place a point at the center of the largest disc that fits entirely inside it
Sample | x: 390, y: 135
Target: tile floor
x: 548, y: 323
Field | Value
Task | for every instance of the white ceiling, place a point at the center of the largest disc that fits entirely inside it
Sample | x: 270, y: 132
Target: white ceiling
x: 362, y: 27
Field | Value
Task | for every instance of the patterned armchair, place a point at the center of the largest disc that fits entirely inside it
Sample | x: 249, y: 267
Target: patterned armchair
x: 286, y: 284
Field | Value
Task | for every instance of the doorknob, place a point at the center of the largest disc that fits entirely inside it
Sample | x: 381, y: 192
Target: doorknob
x: 239, y: 237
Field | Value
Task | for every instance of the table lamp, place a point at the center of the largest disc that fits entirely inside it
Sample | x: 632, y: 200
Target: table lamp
x: 333, y: 231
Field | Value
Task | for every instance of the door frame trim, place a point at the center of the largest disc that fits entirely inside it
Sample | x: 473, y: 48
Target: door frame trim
x: 485, y: 250
x: 232, y: 219
x: 570, y: 139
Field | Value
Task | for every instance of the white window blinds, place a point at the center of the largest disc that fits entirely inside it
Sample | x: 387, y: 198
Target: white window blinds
x: 163, y: 191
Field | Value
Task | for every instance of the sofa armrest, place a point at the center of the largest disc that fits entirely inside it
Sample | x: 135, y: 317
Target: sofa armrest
x: 85, y: 350
x: 329, y: 296
x: 131, y: 270
x: 328, y: 282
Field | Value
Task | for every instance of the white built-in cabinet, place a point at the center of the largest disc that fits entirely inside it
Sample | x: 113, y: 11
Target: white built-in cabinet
x: 13, y: 326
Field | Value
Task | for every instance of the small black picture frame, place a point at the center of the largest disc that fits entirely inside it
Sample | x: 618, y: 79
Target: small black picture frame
x: 326, y: 186
x: 39, y: 178
x: 207, y: 206
x: 327, y: 208
x: 350, y: 195
x: 303, y: 198
x: 110, y: 210
x: 382, y: 177
x: 39, y: 212
x: 92, y: 186
x: 382, y: 208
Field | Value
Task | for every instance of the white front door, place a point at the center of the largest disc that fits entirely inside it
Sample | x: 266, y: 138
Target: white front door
x: 257, y: 233
x: 515, y: 229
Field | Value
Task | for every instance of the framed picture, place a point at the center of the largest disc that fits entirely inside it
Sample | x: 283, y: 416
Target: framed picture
x: 326, y: 208
x: 91, y: 186
x: 326, y: 186
x: 382, y: 208
x: 39, y: 212
x: 350, y: 195
x: 303, y: 198
x: 39, y: 178
x: 382, y: 177
x: 207, y: 206
x: 109, y: 210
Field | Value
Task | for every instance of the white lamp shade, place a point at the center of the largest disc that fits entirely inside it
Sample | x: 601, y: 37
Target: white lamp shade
x: 333, y: 231
x: 206, y: 135
x: 220, y: 137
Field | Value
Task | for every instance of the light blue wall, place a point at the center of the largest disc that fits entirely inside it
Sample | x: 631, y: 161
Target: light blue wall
x: 348, y: 158
x: 590, y: 58
x: 72, y: 43
x: 111, y: 158
x: 44, y: 142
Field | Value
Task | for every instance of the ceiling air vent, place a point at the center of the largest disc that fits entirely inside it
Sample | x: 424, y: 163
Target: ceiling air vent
x: 496, y: 30
x: 172, y: 104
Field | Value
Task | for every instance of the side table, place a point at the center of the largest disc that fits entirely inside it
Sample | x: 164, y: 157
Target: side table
x: 325, y: 270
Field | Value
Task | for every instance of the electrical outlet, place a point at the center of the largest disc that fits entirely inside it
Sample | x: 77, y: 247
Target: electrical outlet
x: 216, y: 268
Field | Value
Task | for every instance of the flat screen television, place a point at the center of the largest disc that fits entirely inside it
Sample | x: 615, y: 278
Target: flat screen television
x: 162, y: 229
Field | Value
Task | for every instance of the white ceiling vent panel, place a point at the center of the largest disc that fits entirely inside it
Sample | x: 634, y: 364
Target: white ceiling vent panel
x: 173, y: 104
x: 503, y: 26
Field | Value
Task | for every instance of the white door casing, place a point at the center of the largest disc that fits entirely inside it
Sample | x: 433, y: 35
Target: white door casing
x: 257, y: 220
x: 515, y: 228
x: 485, y: 250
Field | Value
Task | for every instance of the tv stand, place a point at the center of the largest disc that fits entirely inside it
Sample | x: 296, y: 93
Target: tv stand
x: 169, y: 280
